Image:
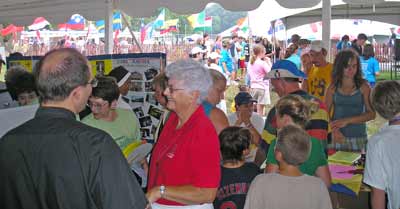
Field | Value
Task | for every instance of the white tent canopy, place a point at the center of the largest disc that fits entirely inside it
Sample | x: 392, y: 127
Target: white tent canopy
x: 388, y: 12
x: 22, y: 12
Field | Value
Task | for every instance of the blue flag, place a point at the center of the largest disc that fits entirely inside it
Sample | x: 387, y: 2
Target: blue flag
x: 117, y: 23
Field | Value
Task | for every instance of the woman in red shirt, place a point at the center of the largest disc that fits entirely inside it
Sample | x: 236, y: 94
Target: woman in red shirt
x: 185, y: 163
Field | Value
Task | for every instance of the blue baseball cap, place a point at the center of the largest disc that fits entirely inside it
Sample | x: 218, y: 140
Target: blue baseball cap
x: 285, y: 69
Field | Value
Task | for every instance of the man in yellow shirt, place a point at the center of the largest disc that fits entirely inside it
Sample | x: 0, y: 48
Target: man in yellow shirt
x: 320, y: 74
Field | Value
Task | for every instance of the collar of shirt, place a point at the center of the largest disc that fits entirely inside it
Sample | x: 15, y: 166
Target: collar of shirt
x: 55, y: 112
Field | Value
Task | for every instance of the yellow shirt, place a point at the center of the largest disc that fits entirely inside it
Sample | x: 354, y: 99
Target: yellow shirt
x: 319, y: 78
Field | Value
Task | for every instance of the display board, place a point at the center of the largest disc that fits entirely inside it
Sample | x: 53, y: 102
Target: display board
x: 143, y: 67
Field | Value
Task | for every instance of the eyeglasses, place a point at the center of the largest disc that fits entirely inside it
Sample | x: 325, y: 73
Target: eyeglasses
x: 96, y: 105
x: 93, y: 82
x: 172, y: 90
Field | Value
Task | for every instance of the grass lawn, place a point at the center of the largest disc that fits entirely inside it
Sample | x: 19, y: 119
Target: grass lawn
x: 372, y: 126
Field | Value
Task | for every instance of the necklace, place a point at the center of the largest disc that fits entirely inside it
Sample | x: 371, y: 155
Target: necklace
x: 394, y: 120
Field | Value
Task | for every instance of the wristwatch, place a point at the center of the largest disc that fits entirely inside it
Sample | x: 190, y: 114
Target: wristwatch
x: 162, y: 191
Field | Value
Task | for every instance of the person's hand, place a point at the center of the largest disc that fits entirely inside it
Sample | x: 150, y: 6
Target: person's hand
x: 245, y: 116
x: 338, y: 137
x: 239, y: 118
x: 336, y: 124
x: 153, y: 194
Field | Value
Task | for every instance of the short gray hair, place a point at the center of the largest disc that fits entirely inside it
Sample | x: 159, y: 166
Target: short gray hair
x: 194, y: 75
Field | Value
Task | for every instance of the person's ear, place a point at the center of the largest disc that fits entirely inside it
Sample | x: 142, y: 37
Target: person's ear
x: 278, y: 155
x: 114, y: 104
x: 76, y: 93
x: 77, y: 96
x: 194, y: 95
x: 286, y: 119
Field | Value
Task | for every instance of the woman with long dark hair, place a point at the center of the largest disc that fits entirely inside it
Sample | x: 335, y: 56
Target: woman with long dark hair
x: 347, y: 99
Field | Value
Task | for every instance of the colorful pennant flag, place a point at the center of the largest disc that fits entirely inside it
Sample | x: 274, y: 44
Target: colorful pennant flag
x: 159, y: 22
x: 39, y: 23
x: 199, y: 22
x: 279, y: 26
x: 170, y: 26
x: 77, y: 22
x: 11, y: 29
x: 117, y: 23
x: 146, y: 31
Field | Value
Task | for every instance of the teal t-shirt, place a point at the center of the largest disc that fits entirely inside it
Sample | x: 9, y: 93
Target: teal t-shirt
x: 124, y: 129
x: 316, y: 159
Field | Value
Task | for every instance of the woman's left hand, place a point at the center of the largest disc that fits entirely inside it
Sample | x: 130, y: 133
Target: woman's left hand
x: 153, y: 194
x: 339, y: 124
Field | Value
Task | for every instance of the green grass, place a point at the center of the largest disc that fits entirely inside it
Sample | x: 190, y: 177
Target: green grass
x: 372, y: 126
x: 386, y: 76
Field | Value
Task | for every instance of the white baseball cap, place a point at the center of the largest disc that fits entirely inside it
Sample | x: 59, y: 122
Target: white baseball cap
x: 316, y: 46
x: 214, y: 55
x: 197, y: 50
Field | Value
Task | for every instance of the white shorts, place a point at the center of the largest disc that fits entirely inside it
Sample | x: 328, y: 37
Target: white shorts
x: 261, y: 96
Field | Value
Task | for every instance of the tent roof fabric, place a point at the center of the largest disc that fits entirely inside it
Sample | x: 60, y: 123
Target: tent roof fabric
x: 22, y: 12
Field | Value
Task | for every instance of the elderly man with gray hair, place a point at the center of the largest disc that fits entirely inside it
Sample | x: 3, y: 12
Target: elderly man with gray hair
x: 185, y: 163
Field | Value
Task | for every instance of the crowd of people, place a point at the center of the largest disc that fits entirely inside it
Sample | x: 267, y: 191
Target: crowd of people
x: 203, y: 157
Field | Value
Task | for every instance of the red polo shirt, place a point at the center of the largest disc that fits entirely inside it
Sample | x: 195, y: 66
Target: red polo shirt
x: 186, y: 156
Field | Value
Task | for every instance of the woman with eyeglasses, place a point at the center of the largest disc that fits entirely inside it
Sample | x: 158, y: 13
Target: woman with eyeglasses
x: 121, y: 124
x: 185, y: 162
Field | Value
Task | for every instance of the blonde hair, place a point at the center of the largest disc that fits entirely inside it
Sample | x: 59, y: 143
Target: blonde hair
x: 217, y: 76
x: 257, y: 50
x: 297, y: 108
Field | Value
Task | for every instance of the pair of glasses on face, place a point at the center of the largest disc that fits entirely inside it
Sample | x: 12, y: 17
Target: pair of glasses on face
x: 93, y: 82
x: 96, y: 105
x: 172, y: 89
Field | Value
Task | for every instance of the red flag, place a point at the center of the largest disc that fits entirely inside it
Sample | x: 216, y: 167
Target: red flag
x: 11, y: 29
x: 144, y: 31
x: 38, y: 34
x: 116, y: 33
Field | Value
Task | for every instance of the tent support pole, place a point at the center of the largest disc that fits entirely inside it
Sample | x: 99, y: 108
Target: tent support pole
x: 130, y: 31
x: 1, y: 37
x: 108, y: 26
x: 326, y: 27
